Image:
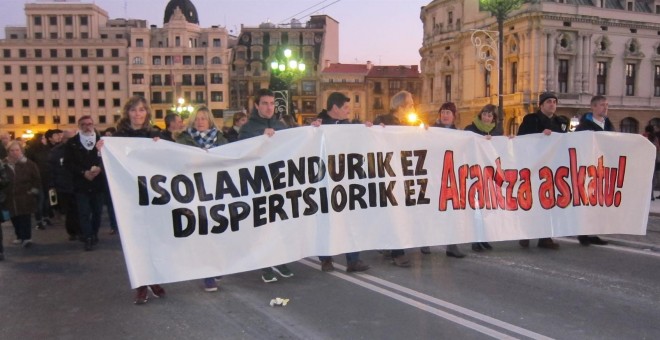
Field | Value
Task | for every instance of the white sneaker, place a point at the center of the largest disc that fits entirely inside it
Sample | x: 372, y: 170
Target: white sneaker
x: 27, y: 243
x: 17, y: 241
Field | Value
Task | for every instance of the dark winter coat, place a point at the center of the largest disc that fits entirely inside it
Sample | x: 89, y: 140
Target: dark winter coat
x: 38, y: 153
x: 387, y: 119
x: 141, y: 133
x: 256, y: 126
x: 61, y: 178
x: 77, y: 160
x: 438, y: 124
x: 326, y: 119
x: 587, y: 124
x: 23, y: 189
x: 231, y: 135
x: 537, y: 122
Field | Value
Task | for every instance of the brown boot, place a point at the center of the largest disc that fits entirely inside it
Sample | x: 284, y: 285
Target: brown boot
x: 326, y: 266
x: 357, y: 266
x: 548, y: 243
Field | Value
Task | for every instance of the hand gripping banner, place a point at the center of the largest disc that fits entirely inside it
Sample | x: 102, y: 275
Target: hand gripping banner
x: 186, y: 213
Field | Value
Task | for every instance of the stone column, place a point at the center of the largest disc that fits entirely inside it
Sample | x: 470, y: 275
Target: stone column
x: 577, y: 81
x: 550, y: 61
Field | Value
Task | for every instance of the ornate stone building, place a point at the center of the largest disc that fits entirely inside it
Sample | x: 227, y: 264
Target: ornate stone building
x: 71, y: 60
x: 576, y: 48
x: 315, y: 42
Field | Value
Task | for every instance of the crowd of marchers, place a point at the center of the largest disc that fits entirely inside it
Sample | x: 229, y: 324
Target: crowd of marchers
x: 63, y: 171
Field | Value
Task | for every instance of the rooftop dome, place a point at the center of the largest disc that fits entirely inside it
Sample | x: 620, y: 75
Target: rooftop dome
x: 187, y: 8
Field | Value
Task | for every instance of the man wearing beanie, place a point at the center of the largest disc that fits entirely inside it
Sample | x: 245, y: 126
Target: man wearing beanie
x: 543, y: 121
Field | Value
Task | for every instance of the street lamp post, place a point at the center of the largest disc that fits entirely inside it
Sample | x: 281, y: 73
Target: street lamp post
x: 182, y: 109
x: 500, y: 9
x: 285, y: 68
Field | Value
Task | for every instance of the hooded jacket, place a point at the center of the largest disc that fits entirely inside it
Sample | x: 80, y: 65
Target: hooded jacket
x: 587, y: 124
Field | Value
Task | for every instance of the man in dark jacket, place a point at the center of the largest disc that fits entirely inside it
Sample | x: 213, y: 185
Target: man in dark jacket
x: 62, y: 181
x: 83, y: 160
x: 336, y: 112
x: 262, y: 120
x: 543, y: 121
x: 596, y: 120
x: 173, y: 126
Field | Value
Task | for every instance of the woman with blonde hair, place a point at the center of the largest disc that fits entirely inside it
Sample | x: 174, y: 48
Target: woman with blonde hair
x: 201, y: 130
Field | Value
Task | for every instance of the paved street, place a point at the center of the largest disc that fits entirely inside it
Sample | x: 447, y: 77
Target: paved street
x: 57, y: 291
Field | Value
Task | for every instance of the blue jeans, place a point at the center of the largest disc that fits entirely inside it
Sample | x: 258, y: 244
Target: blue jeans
x: 350, y: 257
x: 90, y: 206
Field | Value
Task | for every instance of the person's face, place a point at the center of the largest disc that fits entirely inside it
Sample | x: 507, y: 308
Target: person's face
x: 549, y: 106
x: 342, y: 112
x: 177, y: 124
x: 446, y: 117
x: 202, y: 122
x: 86, y: 126
x: 241, y: 122
x: 487, y: 117
x: 15, y: 152
x: 137, y: 115
x: 266, y: 107
x: 55, y: 139
x: 599, y: 108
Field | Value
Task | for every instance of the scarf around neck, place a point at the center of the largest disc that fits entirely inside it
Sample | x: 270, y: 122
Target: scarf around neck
x: 206, y: 139
x: 485, y: 127
x: 88, y: 141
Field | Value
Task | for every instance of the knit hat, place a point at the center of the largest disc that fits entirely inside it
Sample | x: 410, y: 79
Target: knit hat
x: 545, y: 96
x: 448, y: 106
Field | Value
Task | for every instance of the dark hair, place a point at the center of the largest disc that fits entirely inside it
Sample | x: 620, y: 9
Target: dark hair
x: 169, y: 119
x: 262, y: 93
x: 596, y: 99
x: 110, y: 130
x: 489, y: 108
x: 238, y: 116
x: 448, y: 106
x: 336, y: 98
x: 51, y: 132
x: 124, y: 123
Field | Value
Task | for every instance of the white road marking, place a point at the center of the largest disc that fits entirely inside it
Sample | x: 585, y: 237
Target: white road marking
x: 393, y: 290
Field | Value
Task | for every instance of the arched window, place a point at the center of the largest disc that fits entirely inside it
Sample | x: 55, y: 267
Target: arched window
x: 630, y: 125
x: 655, y: 122
x: 137, y: 61
x: 216, y: 61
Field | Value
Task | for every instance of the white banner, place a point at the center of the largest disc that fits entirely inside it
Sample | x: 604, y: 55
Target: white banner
x: 185, y: 213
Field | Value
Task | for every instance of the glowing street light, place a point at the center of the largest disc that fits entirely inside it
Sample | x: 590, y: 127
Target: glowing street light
x: 182, y: 109
x: 286, y: 68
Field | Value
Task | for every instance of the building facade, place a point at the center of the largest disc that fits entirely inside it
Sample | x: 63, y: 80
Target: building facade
x: 315, y: 43
x: 349, y: 79
x: 71, y: 60
x: 576, y: 48
x: 384, y: 81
